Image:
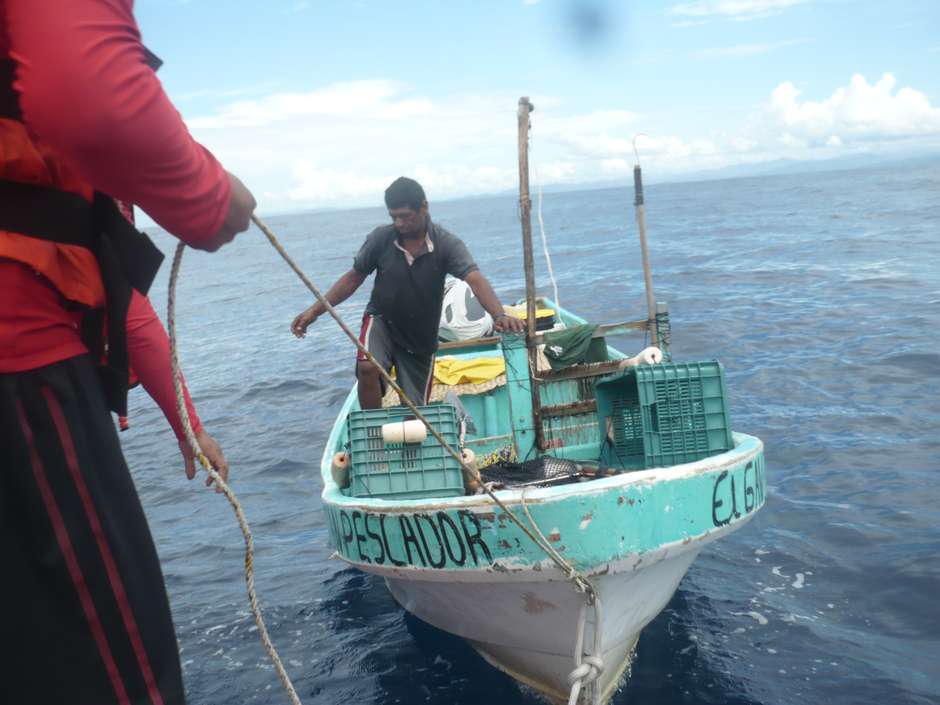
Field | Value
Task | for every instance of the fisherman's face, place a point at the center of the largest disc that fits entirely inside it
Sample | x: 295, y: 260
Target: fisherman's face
x: 408, y: 222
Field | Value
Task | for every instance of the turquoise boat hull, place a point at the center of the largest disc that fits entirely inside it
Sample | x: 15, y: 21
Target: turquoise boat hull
x: 462, y: 565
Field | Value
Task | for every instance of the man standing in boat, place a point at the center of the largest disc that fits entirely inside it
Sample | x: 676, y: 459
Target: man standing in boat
x: 411, y: 258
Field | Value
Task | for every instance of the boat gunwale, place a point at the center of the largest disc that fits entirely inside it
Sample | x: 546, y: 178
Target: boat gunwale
x: 746, y: 446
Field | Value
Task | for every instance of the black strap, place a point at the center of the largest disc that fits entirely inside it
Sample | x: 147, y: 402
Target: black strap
x: 135, y: 254
x: 49, y: 214
x: 68, y: 219
x: 126, y: 258
x: 9, y: 99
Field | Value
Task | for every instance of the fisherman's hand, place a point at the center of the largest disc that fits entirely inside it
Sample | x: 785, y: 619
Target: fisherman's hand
x: 299, y: 326
x: 210, y: 448
x: 509, y: 324
x: 241, y: 205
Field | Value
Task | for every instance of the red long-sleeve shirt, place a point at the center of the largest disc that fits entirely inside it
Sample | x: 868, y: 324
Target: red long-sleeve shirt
x: 148, y: 351
x: 86, y: 92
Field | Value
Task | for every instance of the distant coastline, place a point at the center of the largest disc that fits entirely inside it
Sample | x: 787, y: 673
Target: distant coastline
x: 775, y: 167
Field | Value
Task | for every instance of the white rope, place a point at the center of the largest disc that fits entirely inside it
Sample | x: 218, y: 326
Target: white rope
x: 581, y: 583
x: 220, y: 483
x: 587, y: 669
x: 538, y: 213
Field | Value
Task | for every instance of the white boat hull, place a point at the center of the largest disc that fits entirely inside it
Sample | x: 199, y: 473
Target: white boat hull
x: 528, y: 629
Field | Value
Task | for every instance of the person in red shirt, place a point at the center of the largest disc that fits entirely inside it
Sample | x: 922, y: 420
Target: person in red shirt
x: 81, y: 115
x: 148, y: 349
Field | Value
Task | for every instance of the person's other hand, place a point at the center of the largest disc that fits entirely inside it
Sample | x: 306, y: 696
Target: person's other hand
x: 299, y: 326
x: 510, y: 324
x: 213, y: 452
x: 241, y: 205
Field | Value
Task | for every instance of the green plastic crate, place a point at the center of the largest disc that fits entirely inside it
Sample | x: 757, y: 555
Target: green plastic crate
x: 665, y: 414
x: 403, y: 470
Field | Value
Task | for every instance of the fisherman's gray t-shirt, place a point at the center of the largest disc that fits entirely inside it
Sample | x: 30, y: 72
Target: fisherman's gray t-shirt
x: 409, y: 295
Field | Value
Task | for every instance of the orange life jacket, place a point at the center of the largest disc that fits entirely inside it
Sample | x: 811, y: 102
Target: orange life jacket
x: 54, y: 222
x: 24, y: 158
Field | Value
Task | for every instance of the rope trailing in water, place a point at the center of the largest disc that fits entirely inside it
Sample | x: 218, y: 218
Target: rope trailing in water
x: 220, y: 483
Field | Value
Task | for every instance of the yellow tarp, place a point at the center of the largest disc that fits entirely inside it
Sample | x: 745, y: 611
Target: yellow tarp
x: 455, y: 370
x: 519, y: 311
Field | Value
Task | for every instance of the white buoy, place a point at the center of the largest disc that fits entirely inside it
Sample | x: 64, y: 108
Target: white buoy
x: 474, y: 483
x: 412, y: 431
x: 339, y: 469
x: 647, y: 356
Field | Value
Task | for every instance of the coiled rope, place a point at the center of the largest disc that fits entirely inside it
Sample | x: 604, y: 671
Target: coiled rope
x: 581, y: 583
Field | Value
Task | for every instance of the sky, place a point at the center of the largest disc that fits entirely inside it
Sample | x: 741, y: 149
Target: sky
x: 322, y: 103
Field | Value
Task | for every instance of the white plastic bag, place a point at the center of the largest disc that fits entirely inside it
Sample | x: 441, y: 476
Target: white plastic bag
x: 462, y: 315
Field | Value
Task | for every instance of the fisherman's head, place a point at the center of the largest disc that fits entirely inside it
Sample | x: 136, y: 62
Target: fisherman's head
x: 407, y: 207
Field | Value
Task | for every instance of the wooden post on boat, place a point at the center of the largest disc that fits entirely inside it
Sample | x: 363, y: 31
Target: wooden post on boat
x: 525, y: 214
x: 641, y: 223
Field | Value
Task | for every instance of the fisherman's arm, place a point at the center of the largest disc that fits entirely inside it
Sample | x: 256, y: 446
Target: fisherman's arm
x: 481, y: 288
x: 148, y: 350
x: 90, y: 95
x: 344, y: 287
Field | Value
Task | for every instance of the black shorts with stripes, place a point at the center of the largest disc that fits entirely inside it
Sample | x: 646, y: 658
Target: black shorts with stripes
x: 86, y: 617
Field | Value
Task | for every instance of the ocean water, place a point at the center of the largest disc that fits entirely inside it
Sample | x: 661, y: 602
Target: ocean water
x: 820, y: 293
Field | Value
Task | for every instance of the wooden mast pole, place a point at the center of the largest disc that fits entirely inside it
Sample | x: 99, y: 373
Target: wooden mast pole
x: 641, y: 224
x: 525, y: 213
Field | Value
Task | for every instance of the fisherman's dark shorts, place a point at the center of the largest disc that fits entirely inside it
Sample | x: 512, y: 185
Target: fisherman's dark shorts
x: 85, y: 614
x: 414, y: 373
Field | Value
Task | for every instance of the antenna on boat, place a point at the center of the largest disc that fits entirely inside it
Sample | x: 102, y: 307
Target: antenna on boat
x: 641, y: 223
x: 525, y: 214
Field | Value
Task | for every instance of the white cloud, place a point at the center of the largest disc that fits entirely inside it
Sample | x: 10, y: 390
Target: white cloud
x: 222, y: 94
x: 616, y: 167
x: 741, y: 50
x: 376, y: 99
x: 858, y: 111
x: 733, y: 9
x: 555, y: 171
x: 341, y: 144
x: 593, y: 122
x: 316, y: 186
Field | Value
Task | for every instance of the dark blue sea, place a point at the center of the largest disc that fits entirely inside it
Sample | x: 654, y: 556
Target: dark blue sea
x: 820, y: 293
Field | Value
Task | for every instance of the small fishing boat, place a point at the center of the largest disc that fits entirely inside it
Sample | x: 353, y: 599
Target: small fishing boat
x: 624, y: 472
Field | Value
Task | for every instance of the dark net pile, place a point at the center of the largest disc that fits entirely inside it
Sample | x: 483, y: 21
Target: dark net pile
x: 544, y: 471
